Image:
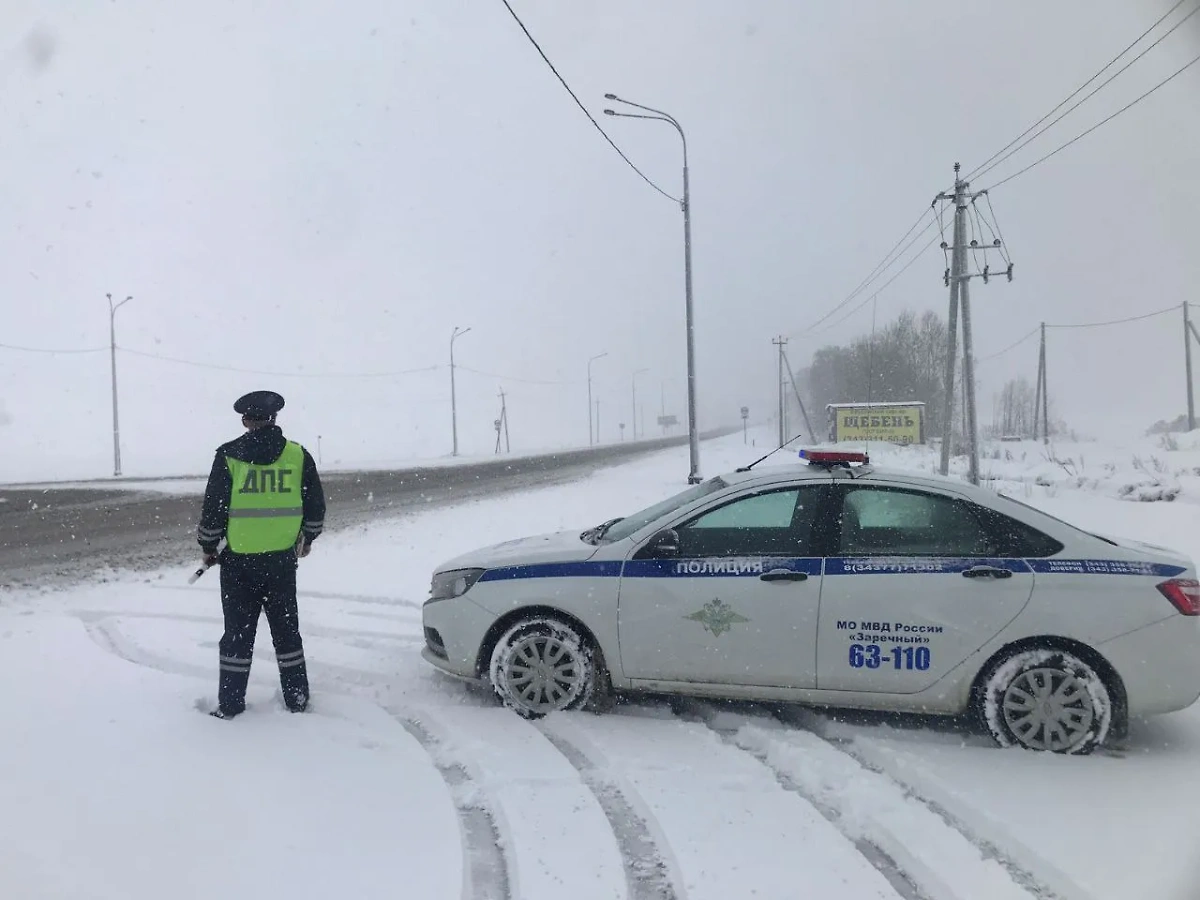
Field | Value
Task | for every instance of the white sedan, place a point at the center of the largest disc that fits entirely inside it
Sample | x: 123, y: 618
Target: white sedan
x: 838, y: 585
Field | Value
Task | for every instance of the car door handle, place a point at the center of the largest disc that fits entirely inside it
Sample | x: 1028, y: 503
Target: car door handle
x: 986, y: 572
x: 783, y: 575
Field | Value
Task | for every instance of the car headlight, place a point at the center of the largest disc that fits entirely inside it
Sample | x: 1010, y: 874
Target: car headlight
x: 454, y: 583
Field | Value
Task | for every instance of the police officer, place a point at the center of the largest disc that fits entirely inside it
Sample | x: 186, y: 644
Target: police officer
x: 264, y: 498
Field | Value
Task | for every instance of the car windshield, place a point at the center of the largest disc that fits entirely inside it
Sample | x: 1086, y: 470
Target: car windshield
x: 636, y: 522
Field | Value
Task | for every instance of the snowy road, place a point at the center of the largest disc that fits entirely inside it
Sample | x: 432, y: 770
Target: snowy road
x: 69, y: 531
x: 403, y: 783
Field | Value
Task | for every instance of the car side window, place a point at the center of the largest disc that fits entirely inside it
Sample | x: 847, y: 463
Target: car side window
x: 877, y: 521
x: 771, y: 523
x: 1016, y: 539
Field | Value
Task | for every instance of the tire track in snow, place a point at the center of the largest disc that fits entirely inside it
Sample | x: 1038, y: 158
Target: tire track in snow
x: 646, y: 870
x: 556, y: 835
x: 869, y: 807
x: 105, y: 632
x: 728, y: 826
x: 485, y: 866
x: 485, y: 869
x: 1032, y: 884
x: 883, y: 862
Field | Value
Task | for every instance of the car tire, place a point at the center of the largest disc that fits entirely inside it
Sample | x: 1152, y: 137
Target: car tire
x: 543, y: 665
x: 1045, y: 699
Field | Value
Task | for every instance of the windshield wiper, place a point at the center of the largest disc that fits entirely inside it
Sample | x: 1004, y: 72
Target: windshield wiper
x: 594, y: 535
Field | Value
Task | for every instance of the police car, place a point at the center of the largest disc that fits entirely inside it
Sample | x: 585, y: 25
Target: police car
x: 830, y: 582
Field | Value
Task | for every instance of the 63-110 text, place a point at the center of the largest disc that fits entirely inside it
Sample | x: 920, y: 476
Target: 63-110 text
x: 872, y: 656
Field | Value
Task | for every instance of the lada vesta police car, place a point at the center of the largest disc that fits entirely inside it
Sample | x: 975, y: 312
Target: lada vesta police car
x: 833, y: 583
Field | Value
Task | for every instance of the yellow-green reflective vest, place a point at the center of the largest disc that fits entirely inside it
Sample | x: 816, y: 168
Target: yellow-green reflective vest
x: 265, y: 508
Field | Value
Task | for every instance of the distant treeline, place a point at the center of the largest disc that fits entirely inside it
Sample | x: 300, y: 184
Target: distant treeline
x: 905, y: 362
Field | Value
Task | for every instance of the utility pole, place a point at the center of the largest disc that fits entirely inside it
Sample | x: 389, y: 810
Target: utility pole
x: 320, y: 459
x: 1187, y: 344
x: 781, y: 342
x: 1037, y: 390
x: 112, y: 345
x: 453, y: 395
x: 957, y: 279
x: 1045, y: 392
x: 1191, y: 326
x: 593, y: 436
x: 597, y: 421
x: 634, y: 409
x: 799, y: 400
x: 502, y: 424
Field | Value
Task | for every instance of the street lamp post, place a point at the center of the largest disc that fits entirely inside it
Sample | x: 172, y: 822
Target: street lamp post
x: 634, y: 410
x: 112, y: 346
x: 453, y: 395
x: 686, y: 206
x: 592, y: 436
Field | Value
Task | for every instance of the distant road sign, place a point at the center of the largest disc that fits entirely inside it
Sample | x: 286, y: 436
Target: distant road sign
x: 667, y: 421
x: 896, y: 423
x: 745, y: 412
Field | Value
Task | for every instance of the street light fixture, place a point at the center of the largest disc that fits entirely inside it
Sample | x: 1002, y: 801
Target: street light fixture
x: 453, y: 396
x: 112, y: 346
x: 686, y: 206
x: 591, y: 435
x: 634, y: 411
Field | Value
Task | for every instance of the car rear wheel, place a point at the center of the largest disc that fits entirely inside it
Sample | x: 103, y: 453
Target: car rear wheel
x: 1045, y: 699
x: 541, y: 666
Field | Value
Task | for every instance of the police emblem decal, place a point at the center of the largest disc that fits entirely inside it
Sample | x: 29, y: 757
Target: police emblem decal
x: 717, y: 617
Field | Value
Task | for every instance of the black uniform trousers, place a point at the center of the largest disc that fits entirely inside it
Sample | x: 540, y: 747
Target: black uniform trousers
x: 250, y: 584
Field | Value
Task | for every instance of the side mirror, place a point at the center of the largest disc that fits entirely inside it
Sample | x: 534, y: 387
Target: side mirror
x: 664, y: 544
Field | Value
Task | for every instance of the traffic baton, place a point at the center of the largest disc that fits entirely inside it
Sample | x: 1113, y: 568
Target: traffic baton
x: 196, y: 576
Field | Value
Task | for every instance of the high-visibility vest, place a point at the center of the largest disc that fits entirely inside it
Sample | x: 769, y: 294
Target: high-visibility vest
x: 265, y: 506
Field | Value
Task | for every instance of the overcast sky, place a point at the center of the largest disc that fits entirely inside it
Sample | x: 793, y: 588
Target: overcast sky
x: 332, y: 188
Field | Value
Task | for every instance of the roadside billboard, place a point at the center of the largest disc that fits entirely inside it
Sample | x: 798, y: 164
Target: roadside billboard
x: 893, y: 423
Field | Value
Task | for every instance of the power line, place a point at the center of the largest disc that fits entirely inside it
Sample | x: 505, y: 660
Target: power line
x: 591, y: 118
x: 1161, y: 312
x: 984, y: 170
x: 1084, y: 134
x: 276, y: 374
x: 1077, y: 91
x: 883, y: 263
x: 1013, y: 346
x: 49, y: 351
x: 882, y: 287
x: 880, y: 269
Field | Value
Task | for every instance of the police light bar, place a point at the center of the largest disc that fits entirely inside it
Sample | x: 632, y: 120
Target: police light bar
x: 834, y: 457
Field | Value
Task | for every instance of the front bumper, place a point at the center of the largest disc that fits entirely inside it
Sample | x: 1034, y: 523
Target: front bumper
x: 454, y: 631
x: 440, y: 664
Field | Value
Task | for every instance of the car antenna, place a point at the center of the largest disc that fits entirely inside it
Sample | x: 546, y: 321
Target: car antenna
x: 769, y: 455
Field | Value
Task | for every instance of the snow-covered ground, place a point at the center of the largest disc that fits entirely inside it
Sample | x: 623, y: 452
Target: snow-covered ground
x: 402, y: 783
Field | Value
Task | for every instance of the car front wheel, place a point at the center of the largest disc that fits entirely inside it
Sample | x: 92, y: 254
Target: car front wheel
x: 543, y: 665
x: 1045, y: 699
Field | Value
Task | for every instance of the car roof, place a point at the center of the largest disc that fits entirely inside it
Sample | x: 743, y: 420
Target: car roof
x: 805, y: 471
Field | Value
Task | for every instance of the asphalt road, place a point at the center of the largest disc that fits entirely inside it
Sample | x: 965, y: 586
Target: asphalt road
x: 54, y: 535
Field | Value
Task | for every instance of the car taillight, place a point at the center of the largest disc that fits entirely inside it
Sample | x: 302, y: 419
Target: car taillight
x: 1184, y: 594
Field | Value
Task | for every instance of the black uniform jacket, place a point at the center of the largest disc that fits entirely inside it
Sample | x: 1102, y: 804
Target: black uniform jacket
x: 261, y: 446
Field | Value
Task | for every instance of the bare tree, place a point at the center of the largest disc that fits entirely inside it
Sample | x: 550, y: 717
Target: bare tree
x: 1016, y: 412
x: 904, y: 361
